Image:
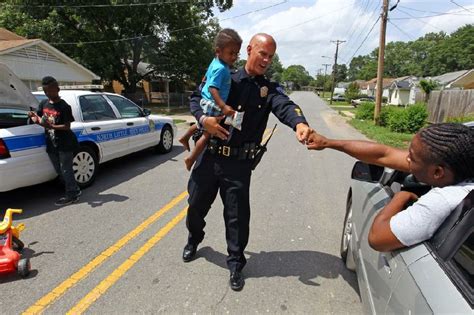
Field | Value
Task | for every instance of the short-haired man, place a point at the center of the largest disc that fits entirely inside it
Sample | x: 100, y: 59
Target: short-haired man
x: 55, y: 115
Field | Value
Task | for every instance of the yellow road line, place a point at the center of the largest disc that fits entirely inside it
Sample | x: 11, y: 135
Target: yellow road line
x: 40, y: 305
x: 113, y: 277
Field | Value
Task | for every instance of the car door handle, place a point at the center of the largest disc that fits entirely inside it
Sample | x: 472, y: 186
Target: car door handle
x: 129, y: 124
x: 386, y: 264
x: 95, y: 128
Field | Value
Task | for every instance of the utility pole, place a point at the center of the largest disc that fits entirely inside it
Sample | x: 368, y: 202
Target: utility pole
x: 378, y: 95
x: 334, y: 69
x: 326, y: 65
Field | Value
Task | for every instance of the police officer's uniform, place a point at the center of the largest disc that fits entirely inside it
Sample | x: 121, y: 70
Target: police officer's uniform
x: 226, y: 166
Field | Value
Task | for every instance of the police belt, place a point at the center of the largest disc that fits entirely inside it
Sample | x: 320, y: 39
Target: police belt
x: 245, y: 152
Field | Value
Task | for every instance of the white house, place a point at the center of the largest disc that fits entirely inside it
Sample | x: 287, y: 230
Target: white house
x: 32, y: 59
x: 370, y: 87
x: 403, y: 91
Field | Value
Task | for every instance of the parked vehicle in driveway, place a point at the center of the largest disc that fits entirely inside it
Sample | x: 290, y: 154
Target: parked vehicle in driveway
x: 107, y: 126
x: 358, y: 101
x: 435, y: 276
x: 337, y: 97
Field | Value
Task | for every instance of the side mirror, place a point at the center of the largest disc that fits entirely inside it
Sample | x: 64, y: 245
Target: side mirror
x: 146, y: 111
x: 367, y: 172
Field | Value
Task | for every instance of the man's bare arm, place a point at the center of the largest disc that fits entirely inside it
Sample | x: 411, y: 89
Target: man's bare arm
x: 369, y: 152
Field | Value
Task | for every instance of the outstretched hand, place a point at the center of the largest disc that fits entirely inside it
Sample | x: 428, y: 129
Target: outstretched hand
x: 211, y: 125
x: 316, y: 141
x: 302, y: 132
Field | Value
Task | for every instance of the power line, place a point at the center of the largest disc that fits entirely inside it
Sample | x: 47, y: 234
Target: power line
x: 430, y: 16
x: 374, y: 11
x: 466, y: 9
x: 171, y: 31
x: 419, y: 20
x: 102, y: 5
x: 424, y: 11
x: 402, y: 31
x: 365, y: 38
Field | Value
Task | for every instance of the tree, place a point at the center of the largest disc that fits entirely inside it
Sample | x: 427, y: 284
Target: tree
x: 276, y: 69
x: 352, y: 91
x: 322, y: 80
x: 109, y: 40
x: 427, y: 86
x: 341, y: 73
x: 296, y: 74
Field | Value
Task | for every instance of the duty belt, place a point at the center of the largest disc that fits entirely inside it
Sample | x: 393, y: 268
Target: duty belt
x: 246, y: 152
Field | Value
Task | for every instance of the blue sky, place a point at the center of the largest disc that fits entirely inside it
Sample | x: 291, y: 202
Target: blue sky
x: 304, y: 29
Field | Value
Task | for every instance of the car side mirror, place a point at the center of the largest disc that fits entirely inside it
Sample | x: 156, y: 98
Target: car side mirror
x: 146, y: 111
x: 367, y: 172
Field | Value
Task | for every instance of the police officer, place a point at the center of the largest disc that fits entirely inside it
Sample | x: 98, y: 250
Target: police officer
x: 226, y: 165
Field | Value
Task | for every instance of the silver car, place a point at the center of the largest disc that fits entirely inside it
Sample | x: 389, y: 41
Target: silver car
x: 436, y: 276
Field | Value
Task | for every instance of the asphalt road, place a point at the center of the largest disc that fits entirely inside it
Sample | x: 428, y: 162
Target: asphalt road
x: 118, y: 250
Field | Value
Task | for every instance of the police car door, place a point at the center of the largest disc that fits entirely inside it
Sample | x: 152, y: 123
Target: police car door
x: 102, y: 126
x: 140, y: 128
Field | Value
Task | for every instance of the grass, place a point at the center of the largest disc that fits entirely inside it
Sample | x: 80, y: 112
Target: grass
x: 381, y: 134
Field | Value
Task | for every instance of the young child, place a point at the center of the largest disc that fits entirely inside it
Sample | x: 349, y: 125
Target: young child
x: 440, y: 155
x: 216, y: 90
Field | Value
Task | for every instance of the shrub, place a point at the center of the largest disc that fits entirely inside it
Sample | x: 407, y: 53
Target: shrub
x: 409, y: 120
x: 365, y: 111
x: 462, y: 119
x: 385, y: 114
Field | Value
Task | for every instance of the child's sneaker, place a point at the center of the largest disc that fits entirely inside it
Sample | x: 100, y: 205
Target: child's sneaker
x: 64, y: 201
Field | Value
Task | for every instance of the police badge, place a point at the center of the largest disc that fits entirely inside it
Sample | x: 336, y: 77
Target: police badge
x: 263, y: 91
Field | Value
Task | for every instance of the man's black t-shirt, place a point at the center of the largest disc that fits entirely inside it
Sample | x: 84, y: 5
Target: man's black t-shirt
x: 58, y: 113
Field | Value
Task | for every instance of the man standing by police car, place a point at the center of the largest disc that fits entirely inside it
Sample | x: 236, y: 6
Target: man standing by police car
x: 226, y: 165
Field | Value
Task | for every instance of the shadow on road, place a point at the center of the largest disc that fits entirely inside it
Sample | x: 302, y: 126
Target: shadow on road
x: 110, y: 174
x: 304, y: 264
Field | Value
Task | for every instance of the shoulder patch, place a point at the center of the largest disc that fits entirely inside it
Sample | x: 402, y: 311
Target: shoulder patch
x: 280, y: 90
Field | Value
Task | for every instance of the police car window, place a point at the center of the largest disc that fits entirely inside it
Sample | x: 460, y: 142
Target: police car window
x: 95, y: 107
x: 126, y: 108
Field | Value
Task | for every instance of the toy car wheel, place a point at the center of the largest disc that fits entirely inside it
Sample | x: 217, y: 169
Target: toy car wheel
x: 24, y: 267
x: 17, y: 244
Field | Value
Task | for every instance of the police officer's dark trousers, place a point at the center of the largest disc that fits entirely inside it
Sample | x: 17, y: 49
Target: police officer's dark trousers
x: 231, y: 177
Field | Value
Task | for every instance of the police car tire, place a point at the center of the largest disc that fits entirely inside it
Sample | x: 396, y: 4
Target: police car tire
x: 85, y: 152
x: 166, y: 140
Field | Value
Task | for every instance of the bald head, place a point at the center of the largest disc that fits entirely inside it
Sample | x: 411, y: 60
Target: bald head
x: 260, y: 51
x: 260, y: 38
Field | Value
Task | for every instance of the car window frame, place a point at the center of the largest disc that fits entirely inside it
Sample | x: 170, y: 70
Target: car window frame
x: 140, y: 110
x: 105, y: 100
x: 449, y: 238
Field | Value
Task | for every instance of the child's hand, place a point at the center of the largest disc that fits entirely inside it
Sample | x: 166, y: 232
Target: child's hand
x: 228, y: 111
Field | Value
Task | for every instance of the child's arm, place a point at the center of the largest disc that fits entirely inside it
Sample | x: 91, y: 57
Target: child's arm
x: 226, y: 109
x: 381, y: 237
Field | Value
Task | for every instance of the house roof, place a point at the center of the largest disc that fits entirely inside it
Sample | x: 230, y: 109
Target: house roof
x: 404, y: 83
x: 373, y: 83
x: 466, y: 80
x: 10, y: 42
x: 7, y: 35
x: 447, y: 78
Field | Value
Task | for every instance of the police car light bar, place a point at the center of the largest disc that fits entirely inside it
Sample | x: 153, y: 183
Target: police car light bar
x: 78, y: 87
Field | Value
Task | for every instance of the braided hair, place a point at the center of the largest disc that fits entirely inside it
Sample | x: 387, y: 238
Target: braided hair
x: 451, y: 144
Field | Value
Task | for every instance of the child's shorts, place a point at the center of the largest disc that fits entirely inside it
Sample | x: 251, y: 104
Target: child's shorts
x: 210, y: 108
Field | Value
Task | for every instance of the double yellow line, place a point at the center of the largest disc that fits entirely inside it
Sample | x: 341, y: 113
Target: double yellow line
x: 44, y: 302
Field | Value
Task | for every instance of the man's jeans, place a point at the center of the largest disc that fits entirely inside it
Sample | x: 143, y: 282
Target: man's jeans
x: 62, y: 162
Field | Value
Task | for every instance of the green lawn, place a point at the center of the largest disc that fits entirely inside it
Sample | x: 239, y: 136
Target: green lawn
x: 382, y: 134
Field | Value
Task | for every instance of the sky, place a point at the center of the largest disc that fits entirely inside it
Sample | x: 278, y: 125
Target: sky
x: 304, y: 29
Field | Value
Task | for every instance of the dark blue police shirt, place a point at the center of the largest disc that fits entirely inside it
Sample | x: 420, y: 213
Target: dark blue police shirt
x: 248, y: 94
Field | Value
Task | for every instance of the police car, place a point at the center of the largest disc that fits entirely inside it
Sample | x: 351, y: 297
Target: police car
x: 107, y: 126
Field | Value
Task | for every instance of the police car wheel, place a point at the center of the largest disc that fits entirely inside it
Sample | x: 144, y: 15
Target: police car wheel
x: 166, y: 140
x: 84, y: 166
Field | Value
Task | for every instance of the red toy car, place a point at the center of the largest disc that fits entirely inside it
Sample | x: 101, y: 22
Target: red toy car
x: 10, y: 245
